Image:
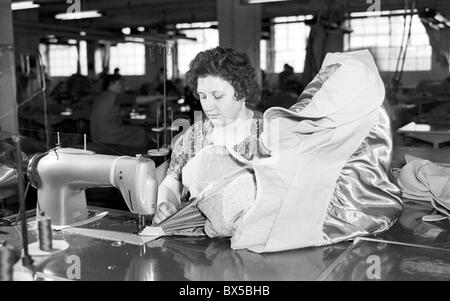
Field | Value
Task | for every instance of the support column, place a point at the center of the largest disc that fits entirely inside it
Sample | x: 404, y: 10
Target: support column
x: 24, y: 40
x: 8, y: 104
x: 91, y: 46
x: 240, y: 28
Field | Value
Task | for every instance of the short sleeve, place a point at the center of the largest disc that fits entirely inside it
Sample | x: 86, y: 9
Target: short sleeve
x: 180, y: 156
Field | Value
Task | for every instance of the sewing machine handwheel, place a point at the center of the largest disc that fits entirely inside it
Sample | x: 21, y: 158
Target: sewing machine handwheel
x: 32, y: 173
x: 159, y: 152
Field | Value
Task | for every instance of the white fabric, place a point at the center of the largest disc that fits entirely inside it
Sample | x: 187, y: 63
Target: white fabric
x: 310, y: 149
x: 171, y: 184
x: 234, y: 132
x: 224, y: 186
x: 208, y: 166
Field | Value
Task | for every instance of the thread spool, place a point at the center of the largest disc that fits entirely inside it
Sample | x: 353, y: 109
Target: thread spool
x: 45, y: 234
x: 6, y: 264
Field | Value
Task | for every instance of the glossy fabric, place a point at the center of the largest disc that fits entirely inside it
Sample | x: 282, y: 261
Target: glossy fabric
x: 314, y: 146
x: 423, y: 180
x: 366, y: 199
x: 8, y: 175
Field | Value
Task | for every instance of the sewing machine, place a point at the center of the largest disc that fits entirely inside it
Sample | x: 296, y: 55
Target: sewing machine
x: 62, y: 175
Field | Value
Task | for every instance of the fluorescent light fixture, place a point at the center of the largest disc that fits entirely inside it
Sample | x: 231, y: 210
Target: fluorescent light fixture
x: 141, y: 28
x: 126, y: 30
x: 78, y: 15
x: 262, y: 1
x: 82, y: 33
x: 135, y: 39
x: 23, y: 5
x: 382, y: 13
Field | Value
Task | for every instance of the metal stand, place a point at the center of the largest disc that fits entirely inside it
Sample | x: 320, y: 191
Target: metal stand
x: 27, y: 261
x: 164, y: 150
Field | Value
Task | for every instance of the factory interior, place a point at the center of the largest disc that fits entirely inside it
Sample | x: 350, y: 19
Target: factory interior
x: 101, y: 103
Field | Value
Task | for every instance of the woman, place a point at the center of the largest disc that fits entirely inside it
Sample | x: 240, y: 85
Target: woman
x: 227, y: 86
x: 106, y: 124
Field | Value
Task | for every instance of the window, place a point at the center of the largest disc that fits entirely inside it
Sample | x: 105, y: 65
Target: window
x: 263, y: 54
x: 83, y: 58
x: 98, y: 61
x: 206, y: 38
x: 383, y: 34
x: 63, y: 59
x: 43, y: 48
x: 169, y: 63
x: 290, y: 41
x: 129, y: 58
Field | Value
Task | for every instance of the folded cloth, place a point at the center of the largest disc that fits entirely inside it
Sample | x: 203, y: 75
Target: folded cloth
x: 226, y: 204
x: 225, y: 188
x: 424, y: 180
x: 8, y: 175
x: 314, y: 147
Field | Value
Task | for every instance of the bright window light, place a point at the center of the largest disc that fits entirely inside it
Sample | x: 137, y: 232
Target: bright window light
x: 129, y: 58
x: 78, y: 15
x: 205, y: 36
x: 63, y: 59
x: 23, y: 5
x: 383, y: 36
x: 290, y: 40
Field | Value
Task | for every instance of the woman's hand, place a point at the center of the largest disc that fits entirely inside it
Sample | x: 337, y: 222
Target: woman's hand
x: 164, y: 210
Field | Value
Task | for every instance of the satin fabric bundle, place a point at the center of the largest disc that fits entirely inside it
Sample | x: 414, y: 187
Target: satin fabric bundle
x: 8, y: 175
x: 328, y: 178
x: 423, y: 180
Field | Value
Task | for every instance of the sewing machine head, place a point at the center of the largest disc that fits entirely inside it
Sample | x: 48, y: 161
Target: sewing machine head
x: 62, y: 175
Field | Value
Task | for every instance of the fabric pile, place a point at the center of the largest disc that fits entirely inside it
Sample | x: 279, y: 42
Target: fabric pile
x: 308, y: 193
x: 327, y: 178
x: 426, y: 181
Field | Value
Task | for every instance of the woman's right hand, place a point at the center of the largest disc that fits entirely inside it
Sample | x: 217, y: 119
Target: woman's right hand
x: 163, y: 211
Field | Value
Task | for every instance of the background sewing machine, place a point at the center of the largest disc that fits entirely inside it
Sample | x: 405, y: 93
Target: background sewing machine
x: 62, y: 175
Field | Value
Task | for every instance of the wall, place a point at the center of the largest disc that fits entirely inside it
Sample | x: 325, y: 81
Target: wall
x: 8, y: 105
x: 409, y: 78
x: 153, y: 62
x: 412, y: 78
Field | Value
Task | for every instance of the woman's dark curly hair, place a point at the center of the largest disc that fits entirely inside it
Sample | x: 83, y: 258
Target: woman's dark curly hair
x: 230, y: 65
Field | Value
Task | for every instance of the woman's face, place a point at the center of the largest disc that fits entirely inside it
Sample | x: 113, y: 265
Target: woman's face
x: 217, y: 99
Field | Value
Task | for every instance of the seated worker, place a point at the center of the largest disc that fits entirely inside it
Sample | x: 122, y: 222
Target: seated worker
x: 285, y: 98
x: 105, y: 121
x: 228, y: 88
x: 285, y: 76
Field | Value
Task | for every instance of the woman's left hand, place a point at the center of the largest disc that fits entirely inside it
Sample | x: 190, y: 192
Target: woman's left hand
x: 164, y: 210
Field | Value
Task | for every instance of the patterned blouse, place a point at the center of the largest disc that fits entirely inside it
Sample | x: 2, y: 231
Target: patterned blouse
x: 198, y: 136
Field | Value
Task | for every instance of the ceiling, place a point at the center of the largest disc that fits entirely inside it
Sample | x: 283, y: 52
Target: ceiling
x: 156, y: 14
